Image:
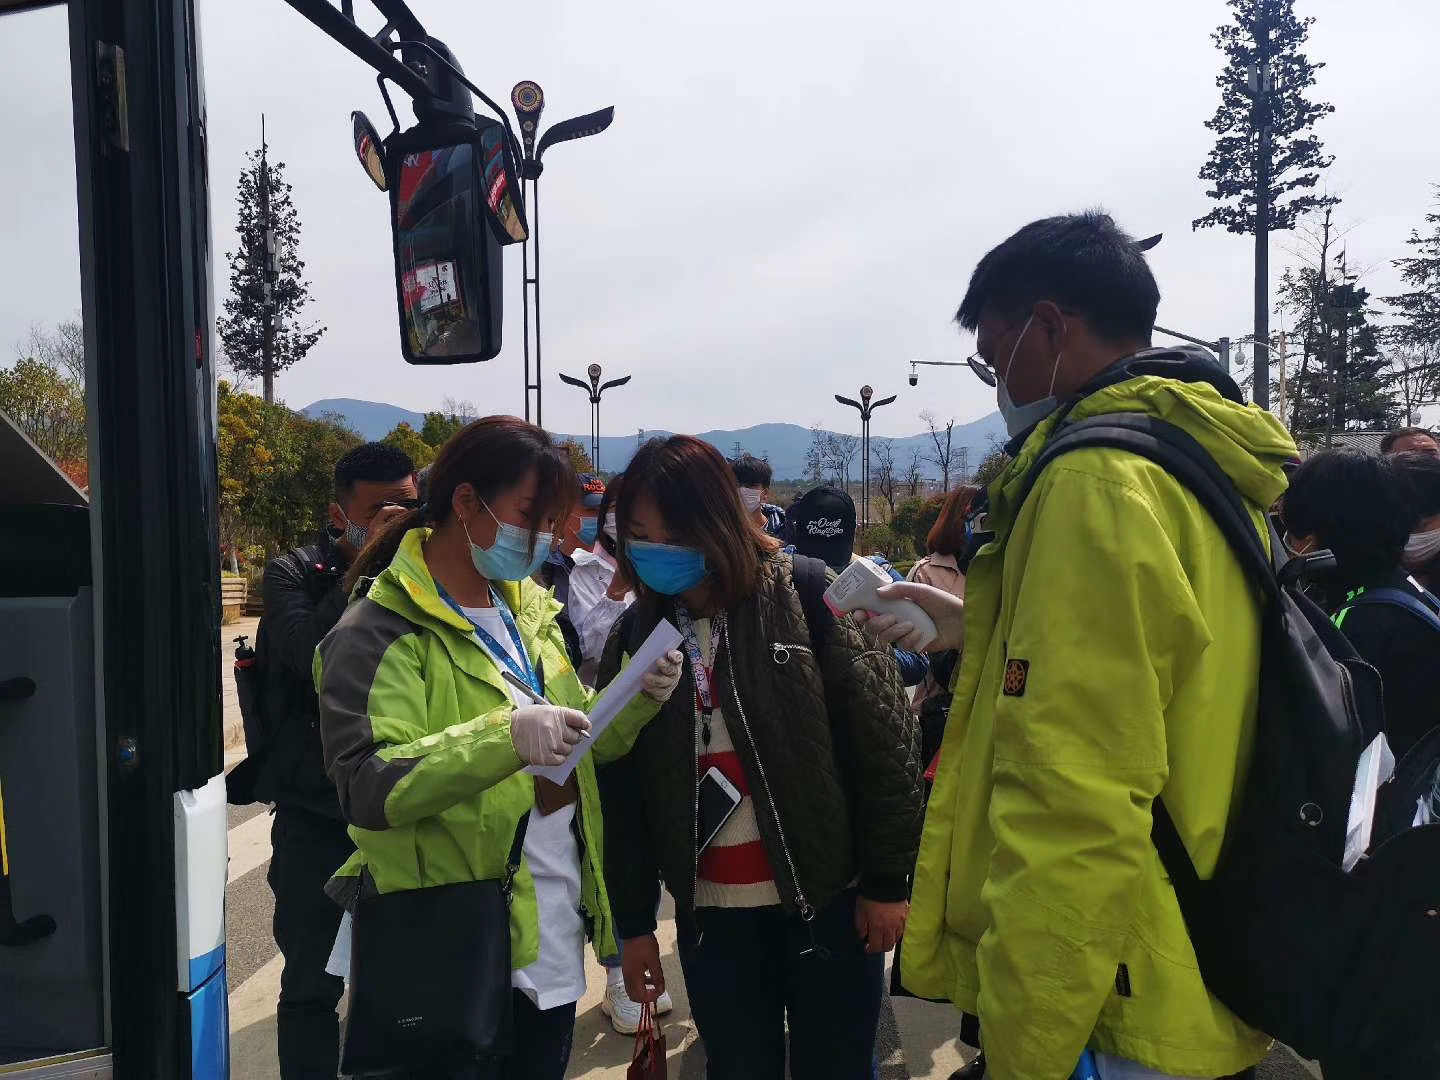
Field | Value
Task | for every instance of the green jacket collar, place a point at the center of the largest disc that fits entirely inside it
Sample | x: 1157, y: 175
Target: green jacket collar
x: 1248, y: 443
x: 407, y: 588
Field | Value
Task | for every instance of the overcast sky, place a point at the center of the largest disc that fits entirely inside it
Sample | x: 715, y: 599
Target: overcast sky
x: 791, y: 198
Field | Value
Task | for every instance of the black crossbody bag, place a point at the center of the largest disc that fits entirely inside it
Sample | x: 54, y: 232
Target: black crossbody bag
x: 430, y: 975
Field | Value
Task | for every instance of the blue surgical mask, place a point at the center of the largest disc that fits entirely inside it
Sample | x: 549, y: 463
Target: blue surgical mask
x: 509, y: 558
x: 1021, y: 418
x: 589, y: 532
x: 669, y: 569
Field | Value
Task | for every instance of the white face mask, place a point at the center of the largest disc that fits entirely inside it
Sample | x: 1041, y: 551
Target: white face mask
x: 1021, y: 418
x: 1420, y: 549
x: 750, y: 498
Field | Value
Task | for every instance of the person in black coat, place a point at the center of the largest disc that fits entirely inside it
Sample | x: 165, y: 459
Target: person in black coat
x: 1359, y: 507
x: 304, y: 598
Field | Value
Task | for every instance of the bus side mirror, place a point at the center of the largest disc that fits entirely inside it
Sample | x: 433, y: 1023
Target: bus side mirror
x: 455, y: 199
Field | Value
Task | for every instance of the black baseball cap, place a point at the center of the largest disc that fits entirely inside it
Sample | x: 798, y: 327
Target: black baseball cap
x: 823, y: 524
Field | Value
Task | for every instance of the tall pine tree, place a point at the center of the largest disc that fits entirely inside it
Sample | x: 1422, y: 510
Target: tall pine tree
x: 260, y: 331
x: 1266, y: 160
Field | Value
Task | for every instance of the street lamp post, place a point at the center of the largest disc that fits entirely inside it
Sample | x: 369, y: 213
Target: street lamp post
x: 529, y: 102
x: 594, y: 388
x: 866, y: 408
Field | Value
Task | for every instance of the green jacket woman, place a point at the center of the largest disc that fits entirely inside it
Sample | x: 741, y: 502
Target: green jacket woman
x: 426, y: 743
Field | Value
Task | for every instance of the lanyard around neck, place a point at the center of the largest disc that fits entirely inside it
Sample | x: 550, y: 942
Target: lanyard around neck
x: 521, y: 669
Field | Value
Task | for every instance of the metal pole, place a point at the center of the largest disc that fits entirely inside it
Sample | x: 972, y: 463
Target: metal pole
x: 866, y: 395
x: 1262, y: 207
x: 525, y: 305
x: 535, y: 217
x: 595, y: 432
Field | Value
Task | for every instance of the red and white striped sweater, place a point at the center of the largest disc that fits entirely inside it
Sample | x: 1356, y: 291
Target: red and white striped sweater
x: 734, y: 871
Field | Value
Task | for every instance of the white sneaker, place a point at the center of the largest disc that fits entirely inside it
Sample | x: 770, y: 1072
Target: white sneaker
x: 663, y: 1004
x: 624, y: 1014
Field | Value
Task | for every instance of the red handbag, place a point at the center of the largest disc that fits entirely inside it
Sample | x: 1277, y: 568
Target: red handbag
x: 648, y: 1060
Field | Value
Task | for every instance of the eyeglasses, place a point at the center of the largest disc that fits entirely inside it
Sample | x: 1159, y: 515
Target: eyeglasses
x: 982, y: 369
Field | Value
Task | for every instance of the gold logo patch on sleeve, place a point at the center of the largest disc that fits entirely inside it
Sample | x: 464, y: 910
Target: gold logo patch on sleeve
x: 1016, y: 673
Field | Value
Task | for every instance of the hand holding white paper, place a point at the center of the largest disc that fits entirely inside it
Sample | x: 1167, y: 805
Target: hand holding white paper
x: 614, y: 698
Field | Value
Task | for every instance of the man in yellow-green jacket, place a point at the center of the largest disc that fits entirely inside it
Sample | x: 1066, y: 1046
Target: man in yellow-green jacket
x: 1111, y: 653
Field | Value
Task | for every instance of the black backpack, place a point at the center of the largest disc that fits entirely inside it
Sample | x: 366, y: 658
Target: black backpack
x: 1344, y: 968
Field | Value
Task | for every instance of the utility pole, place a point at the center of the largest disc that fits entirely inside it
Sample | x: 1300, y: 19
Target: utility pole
x: 1261, y: 85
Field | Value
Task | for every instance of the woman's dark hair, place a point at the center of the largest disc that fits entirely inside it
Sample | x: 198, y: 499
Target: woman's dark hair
x: 1354, y: 504
x: 1421, y: 473
x: 947, y: 535
x: 491, y: 455
x: 695, y: 492
x: 607, y: 504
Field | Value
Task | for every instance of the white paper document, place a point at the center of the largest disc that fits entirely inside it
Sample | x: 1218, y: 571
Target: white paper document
x: 1377, y: 765
x: 614, y: 698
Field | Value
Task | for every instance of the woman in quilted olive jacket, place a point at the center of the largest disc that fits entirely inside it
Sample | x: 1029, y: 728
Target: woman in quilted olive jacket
x: 777, y: 795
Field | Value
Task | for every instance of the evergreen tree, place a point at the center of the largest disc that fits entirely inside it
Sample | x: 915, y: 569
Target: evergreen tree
x: 1266, y: 159
x: 1418, y: 310
x: 260, y: 331
x: 1344, y: 384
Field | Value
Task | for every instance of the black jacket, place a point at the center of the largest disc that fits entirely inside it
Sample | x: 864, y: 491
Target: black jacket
x: 303, y: 600
x: 1401, y: 646
x: 829, y: 748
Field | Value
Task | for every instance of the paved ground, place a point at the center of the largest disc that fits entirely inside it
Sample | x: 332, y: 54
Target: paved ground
x: 916, y: 1038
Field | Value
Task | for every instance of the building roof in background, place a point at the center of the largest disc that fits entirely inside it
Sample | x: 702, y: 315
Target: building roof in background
x: 1366, y: 441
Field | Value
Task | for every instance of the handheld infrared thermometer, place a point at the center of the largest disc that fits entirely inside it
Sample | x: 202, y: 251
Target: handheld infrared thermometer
x: 854, y: 590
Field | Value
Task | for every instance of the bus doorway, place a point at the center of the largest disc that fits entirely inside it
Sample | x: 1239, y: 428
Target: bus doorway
x: 112, y: 952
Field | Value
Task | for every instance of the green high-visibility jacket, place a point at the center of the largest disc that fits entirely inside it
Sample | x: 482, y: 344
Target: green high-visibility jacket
x: 415, y: 722
x: 1111, y: 653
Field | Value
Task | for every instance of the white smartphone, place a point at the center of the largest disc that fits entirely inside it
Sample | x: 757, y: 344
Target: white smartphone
x: 716, y: 801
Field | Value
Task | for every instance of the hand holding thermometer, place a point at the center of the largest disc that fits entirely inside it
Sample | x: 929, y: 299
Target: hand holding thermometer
x: 517, y: 683
x: 854, y: 590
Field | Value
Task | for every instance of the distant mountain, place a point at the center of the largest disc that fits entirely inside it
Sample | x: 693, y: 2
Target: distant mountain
x: 783, y: 445
x: 371, y: 419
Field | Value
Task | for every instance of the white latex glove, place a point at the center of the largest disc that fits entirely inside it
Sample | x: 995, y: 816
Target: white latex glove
x: 545, y: 734
x: 660, y: 681
x: 947, y: 610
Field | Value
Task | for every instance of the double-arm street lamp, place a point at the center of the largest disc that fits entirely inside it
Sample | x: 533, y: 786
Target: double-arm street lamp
x: 866, y: 408
x: 594, y: 388
x: 529, y: 102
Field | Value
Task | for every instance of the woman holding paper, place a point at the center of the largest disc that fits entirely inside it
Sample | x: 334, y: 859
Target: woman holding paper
x: 777, y: 795
x: 428, y: 717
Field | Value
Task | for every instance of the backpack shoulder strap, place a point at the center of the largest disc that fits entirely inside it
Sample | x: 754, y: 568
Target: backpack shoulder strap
x: 1185, y: 459
x: 1399, y: 598
x: 811, y: 581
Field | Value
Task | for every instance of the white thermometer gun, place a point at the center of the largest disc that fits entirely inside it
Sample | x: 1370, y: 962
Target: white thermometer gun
x: 854, y: 590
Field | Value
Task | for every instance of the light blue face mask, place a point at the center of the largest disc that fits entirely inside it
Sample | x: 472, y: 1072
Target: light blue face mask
x: 669, y: 569
x: 589, y: 532
x: 509, y: 558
